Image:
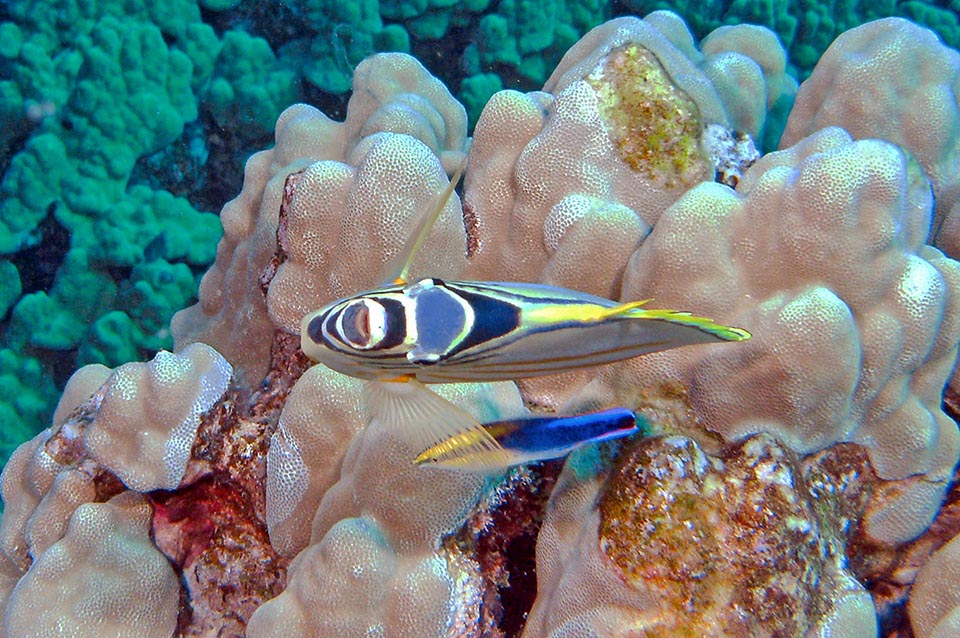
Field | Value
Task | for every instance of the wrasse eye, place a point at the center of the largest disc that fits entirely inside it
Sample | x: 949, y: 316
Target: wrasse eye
x: 356, y: 323
x: 362, y: 323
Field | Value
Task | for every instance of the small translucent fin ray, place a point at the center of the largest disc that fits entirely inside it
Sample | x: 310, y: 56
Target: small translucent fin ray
x: 426, y: 420
x: 399, y: 268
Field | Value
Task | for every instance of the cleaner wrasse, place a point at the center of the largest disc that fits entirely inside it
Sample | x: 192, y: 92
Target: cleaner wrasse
x: 535, y: 438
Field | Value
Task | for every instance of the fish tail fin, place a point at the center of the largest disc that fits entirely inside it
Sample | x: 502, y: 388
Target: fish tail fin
x: 427, y: 421
x: 461, y: 452
x: 634, y: 310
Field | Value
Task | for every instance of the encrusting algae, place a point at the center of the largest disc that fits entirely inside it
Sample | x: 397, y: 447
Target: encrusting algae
x: 732, y: 544
x: 655, y: 126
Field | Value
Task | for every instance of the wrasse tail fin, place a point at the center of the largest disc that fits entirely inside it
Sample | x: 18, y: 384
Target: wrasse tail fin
x: 426, y: 420
x: 399, y: 268
x: 634, y: 309
x: 453, y: 454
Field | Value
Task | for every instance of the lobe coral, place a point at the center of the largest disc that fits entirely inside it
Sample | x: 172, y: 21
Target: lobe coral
x: 792, y: 485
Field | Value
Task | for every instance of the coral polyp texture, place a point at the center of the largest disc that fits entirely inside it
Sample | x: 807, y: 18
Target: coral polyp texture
x: 103, y: 577
x: 801, y: 483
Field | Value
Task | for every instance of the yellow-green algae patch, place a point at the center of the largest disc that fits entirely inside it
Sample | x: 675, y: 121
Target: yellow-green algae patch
x: 655, y: 126
x: 731, y: 544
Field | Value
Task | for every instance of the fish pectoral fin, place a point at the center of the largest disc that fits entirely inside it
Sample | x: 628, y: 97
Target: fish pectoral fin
x: 634, y: 310
x: 398, y: 269
x: 427, y: 421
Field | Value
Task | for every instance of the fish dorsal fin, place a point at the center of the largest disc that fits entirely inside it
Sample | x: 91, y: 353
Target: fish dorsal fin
x: 633, y: 310
x: 623, y: 309
x: 426, y: 420
x: 400, y: 266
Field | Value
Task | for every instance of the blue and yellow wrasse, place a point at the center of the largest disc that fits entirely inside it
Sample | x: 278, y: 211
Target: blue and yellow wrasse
x: 535, y: 438
x: 400, y: 336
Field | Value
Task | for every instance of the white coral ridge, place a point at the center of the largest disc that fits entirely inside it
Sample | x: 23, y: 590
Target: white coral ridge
x: 104, y: 578
x: 304, y: 459
x: 147, y: 421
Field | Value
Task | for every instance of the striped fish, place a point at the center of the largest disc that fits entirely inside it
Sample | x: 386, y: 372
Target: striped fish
x: 535, y: 438
x: 401, y: 336
x: 449, y: 332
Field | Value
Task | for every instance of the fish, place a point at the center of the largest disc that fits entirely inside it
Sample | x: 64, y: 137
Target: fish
x: 403, y: 335
x: 535, y: 438
x: 458, y: 331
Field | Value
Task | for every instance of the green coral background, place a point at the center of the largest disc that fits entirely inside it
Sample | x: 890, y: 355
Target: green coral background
x: 126, y: 124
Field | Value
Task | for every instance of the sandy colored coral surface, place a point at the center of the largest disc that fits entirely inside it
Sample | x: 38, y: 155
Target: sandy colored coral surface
x: 104, y: 577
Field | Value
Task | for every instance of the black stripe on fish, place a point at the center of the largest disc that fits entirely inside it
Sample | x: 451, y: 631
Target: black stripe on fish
x: 493, y: 318
x: 396, y: 329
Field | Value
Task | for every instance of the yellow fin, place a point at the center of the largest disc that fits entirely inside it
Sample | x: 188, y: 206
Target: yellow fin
x: 428, y: 421
x: 633, y: 309
x: 622, y: 309
x: 460, y: 453
x: 401, y: 264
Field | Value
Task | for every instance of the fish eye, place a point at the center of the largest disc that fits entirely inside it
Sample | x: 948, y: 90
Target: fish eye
x: 362, y: 323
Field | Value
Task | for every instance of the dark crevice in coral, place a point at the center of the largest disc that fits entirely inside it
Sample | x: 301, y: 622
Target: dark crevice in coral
x: 20, y: 129
x: 275, y: 22
x: 332, y: 105
x: 222, y: 172
x: 280, y: 254
x: 118, y: 273
x: 951, y: 404
x: 38, y: 265
x: 63, y: 363
x: 444, y: 57
x: 501, y: 536
x: 185, y: 616
x: 520, y: 555
x: 179, y: 168
x: 471, y: 224
x: 894, y: 621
